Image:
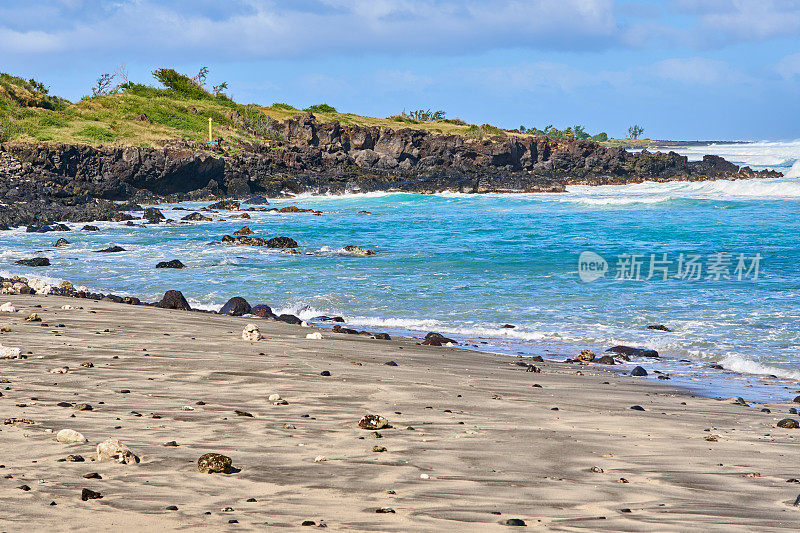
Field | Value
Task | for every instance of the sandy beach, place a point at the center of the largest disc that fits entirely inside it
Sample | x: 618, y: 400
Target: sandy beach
x: 475, y: 440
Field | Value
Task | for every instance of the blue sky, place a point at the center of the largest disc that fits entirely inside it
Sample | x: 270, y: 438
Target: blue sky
x: 683, y: 69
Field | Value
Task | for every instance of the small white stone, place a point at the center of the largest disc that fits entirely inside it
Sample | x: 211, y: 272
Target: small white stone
x: 48, y: 430
x: 70, y: 436
x: 314, y: 336
x: 320, y: 459
x: 67, y: 307
x: 304, y: 324
x: 424, y: 476
x: 251, y: 333
x: 114, y: 450
x: 9, y: 353
x: 61, y: 370
x: 8, y: 307
x: 187, y: 408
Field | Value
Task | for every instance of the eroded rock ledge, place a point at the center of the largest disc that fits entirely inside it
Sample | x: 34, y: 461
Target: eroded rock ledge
x: 48, y: 182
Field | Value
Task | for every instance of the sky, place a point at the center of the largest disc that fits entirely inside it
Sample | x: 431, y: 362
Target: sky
x: 682, y: 69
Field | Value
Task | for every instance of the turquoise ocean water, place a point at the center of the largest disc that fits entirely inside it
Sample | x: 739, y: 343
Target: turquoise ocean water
x: 465, y: 265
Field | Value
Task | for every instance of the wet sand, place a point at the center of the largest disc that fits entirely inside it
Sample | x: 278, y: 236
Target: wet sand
x: 473, y: 441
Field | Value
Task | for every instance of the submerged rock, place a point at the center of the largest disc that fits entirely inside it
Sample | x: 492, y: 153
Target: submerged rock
x: 196, y: 217
x: 632, y: 352
x: 355, y: 250
x: 90, y: 228
x: 34, y: 262
x: 174, y: 300
x: 61, y: 242
x: 281, y: 242
x: 111, y: 250
x: 236, y: 306
x: 244, y: 230
x: 174, y: 263
x: 212, y: 463
x: 227, y: 205
x: 659, y: 327
x: 258, y: 200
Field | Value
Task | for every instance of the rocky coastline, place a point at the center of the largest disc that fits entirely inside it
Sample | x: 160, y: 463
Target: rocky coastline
x: 42, y: 184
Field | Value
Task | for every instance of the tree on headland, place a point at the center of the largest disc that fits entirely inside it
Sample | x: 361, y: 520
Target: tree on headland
x: 103, y: 85
x: 635, y: 131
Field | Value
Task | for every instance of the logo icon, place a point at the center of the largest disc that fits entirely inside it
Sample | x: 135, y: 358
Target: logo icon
x: 591, y: 266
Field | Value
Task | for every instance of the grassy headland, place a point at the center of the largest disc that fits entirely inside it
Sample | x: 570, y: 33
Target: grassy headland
x: 134, y: 114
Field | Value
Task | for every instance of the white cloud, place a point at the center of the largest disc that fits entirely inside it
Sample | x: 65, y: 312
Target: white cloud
x: 789, y: 66
x: 697, y: 71
x: 266, y: 29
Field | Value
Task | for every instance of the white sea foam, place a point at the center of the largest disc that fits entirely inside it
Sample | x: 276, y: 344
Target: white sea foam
x: 654, y: 192
x: 757, y: 154
x: 744, y: 365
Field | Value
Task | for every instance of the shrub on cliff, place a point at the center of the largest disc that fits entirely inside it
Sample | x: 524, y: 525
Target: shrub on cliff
x: 18, y: 92
x: 181, y: 84
x: 320, y: 108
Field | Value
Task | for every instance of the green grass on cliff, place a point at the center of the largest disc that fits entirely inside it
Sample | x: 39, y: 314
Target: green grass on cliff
x: 142, y: 115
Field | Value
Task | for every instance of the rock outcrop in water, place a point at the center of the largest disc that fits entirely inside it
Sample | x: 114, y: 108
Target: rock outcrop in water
x: 48, y: 182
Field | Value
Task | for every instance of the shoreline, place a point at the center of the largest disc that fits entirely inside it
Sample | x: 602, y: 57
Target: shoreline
x: 486, y: 438
x: 706, y: 379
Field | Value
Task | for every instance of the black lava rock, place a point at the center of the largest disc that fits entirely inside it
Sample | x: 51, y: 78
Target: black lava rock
x: 258, y: 200
x: 236, y: 306
x: 170, y: 264
x: 111, y: 250
x: 151, y: 214
x: 89, y: 494
x: 35, y: 262
x: 90, y: 228
x: 659, y: 327
x: 289, y: 319
x: 789, y: 423
x: 174, y: 300
x: 632, y: 352
x: 262, y: 311
x: 281, y: 242
x: 638, y: 371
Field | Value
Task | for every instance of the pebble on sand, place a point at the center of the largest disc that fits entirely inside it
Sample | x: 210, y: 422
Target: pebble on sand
x: 70, y: 436
x: 314, y: 336
x: 114, y: 450
x: 251, y: 333
x: 8, y: 307
x: 211, y: 463
x: 89, y: 494
x: 789, y: 423
x: 373, y: 422
x: 33, y: 317
x: 320, y: 459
